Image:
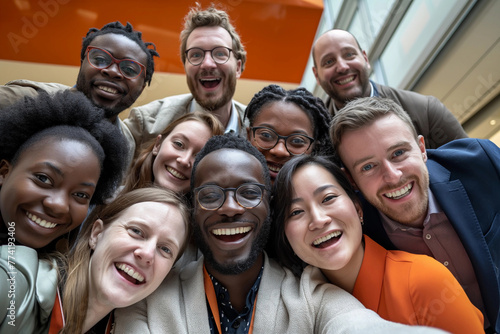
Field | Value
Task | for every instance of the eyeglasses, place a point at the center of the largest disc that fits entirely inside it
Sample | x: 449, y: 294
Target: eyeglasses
x: 212, y: 197
x: 220, y: 55
x: 267, y: 138
x: 101, y: 59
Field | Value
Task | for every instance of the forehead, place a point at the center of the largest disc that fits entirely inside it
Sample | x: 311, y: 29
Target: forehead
x: 189, y: 127
x: 208, y: 38
x: 228, y: 168
x: 284, y: 115
x: 65, y: 151
x: 120, y: 47
x: 334, y: 41
x: 382, y: 134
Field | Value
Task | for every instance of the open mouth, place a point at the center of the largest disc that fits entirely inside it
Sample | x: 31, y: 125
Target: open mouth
x: 400, y: 193
x: 41, y: 222
x: 346, y: 80
x: 130, y: 274
x: 274, y: 167
x: 175, y: 173
x: 210, y: 83
x: 231, y: 234
x: 327, y: 240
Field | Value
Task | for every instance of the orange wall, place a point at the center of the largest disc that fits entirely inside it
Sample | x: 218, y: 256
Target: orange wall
x: 277, y: 34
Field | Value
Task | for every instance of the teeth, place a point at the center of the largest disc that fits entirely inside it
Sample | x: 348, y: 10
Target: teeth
x: 399, y: 193
x: 326, y: 238
x: 274, y: 168
x: 129, y: 271
x: 41, y: 222
x: 347, y: 80
x: 207, y: 80
x: 231, y: 231
x: 108, y: 89
x: 176, y: 173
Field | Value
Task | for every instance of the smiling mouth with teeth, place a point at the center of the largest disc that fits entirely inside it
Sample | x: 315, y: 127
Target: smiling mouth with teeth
x: 346, y: 80
x: 130, y: 274
x: 175, y: 173
x: 231, y: 234
x: 400, y: 193
x: 327, y: 240
x: 108, y: 89
x: 41, y: 222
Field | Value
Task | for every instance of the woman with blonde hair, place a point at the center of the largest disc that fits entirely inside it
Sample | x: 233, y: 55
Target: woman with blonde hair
x: 124, y: 251
x: 167, y: 161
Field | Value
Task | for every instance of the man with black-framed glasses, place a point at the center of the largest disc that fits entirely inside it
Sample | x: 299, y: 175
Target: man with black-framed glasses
x: 235, y: 288
x: 213, y: 58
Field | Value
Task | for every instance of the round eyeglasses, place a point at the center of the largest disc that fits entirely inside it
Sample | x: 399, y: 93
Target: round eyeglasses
x: 101, y: 59
x: 220, y: 55
x: 212, y: 197
x: 267, y: 138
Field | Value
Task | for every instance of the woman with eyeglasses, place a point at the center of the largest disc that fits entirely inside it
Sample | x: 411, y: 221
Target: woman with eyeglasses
x: 285, y: 123
x: 318, y: 222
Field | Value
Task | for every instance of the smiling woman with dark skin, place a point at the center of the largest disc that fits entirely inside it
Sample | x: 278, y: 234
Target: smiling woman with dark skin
x: 284, y: 123
x: 58, y: 156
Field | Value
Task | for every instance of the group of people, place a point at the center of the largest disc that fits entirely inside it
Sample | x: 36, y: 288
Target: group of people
x: 200, y: 214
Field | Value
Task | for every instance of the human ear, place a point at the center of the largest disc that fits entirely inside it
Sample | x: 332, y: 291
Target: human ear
x: 97, y: 229
x: 421, y: 146
x: 157, y: 146
x: 5, y: 168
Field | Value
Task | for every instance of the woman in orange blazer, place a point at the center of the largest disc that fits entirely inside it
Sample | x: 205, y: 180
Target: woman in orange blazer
x: 319, y: 222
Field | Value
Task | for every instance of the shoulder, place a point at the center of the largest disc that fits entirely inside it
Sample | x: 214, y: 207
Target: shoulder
x: 156, y: 107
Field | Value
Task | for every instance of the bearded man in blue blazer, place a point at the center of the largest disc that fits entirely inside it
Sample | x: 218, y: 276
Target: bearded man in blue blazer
x: 441, y: 202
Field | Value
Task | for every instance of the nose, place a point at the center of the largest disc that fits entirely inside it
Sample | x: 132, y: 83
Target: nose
x: 342, y: 65
x: 279, y: 149
x: 230, y: 207
x: 185, y: 159
x: 319, y: 219
x: 145, y: 251
x: 113, y: 71
x: 391, y: 173
x: 208, y: 61
x: 57, y: 204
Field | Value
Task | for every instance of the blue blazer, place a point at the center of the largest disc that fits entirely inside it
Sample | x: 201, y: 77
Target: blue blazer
x: 464, y: 176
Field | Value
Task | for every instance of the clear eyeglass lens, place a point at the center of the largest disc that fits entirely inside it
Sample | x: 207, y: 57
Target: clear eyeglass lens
x: 220, y: 55
x: 213, y: 197
x: 267, y: 139
x: 101, y: 59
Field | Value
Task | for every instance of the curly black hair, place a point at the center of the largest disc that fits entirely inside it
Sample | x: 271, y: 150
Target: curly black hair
x: 127, y: 31
x: 66, y: 114
x: 231, y: 141
x: 311, y: 105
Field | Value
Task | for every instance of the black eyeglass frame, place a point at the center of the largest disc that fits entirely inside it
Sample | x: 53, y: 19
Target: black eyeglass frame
x: 255, y: 128
x: 211, y: 55
x: 197, y: 190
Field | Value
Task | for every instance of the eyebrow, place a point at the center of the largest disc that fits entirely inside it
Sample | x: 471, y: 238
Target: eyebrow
x: 390, y: 148
x: 59, y: 172
x: 315, y: 192
x: 295, y: 131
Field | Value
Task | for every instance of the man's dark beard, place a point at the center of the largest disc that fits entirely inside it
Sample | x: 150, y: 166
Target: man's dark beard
x: 239, y: 267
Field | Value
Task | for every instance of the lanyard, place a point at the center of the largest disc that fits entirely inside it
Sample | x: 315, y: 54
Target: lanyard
x: 56, y: 318
x: 212, y: 301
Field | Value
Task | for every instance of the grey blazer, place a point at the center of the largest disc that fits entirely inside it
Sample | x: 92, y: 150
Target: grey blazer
x: 285, y: 304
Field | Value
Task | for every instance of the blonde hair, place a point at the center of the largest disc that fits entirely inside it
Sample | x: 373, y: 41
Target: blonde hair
x: 141, y: 173
x: 76, y: 286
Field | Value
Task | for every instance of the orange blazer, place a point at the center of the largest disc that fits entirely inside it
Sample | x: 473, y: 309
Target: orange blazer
x: 414, y: 289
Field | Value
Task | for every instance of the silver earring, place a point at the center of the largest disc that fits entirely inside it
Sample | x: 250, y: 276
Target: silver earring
x: 361, y: 220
